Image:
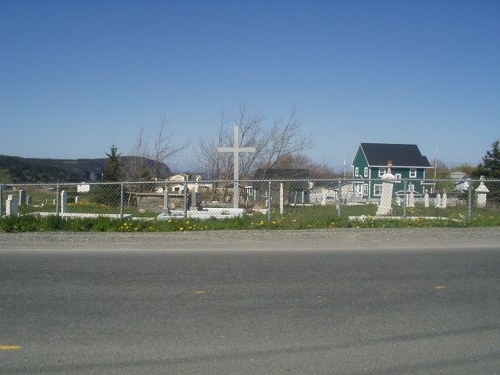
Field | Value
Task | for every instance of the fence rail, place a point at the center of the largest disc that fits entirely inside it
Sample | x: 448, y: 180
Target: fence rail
x: 353, y: 199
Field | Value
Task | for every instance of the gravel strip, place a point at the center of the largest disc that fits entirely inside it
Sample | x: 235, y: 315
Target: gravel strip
x: 327, y: 239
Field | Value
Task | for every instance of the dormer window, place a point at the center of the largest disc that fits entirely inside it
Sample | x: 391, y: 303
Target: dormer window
x: 413, y: 173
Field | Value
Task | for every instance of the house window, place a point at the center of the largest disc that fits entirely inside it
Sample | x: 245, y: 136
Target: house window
x: 356, y: 172
x: 359, y: 190
x: 365, y: 172
x: 381, y: 172
x: 377, y: 190
x: 365, y: 190
x: 413, y: 173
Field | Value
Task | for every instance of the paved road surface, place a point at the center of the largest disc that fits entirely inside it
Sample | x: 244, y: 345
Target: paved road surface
x: 85, y: 309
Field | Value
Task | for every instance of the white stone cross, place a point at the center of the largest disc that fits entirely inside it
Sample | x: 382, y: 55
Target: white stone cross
x: 236, y: 150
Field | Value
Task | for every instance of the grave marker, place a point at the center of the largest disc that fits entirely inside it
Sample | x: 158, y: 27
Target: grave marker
x: 236, y: 150
x: 385, y: 205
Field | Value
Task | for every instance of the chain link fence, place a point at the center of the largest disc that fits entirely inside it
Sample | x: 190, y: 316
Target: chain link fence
x: 329, y: 199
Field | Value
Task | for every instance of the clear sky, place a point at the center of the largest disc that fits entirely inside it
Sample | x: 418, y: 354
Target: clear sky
x: 77, y: 76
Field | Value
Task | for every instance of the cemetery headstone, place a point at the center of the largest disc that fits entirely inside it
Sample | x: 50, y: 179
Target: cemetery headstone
x: 411, y: 199
x: 22, y: 196
x: 64, y: 201
x: 437, y: 201
x: 426, y: 198
x: 12, y: 206
x: 385, y: 205
x: 481, y: 192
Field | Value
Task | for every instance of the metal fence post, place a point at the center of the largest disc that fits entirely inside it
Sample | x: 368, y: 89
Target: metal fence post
x: 121, y: 201
x: 185, y: 200
x: 165, y: 198
x: 405, y: 198
x: 1, y: 201
x: 469, y: 201
x: 57, y: 200
x: 339, y: 203
x: 269, y: 201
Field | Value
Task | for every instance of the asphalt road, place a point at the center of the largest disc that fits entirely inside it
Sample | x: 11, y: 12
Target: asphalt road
x: 79, y: 308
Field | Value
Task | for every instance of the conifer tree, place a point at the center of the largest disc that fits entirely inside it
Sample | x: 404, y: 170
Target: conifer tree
x: 114, y: 166
x: 490, y: 166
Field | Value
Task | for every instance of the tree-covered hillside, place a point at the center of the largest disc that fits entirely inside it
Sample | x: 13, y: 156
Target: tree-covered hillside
x: 15, y: 169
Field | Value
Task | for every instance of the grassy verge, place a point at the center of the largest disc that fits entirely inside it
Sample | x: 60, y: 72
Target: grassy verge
x: 291, y: 219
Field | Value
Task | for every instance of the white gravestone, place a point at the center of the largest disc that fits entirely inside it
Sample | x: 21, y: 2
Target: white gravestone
x: 444, y: 200
x: 64, y: 202
x: 426, y: 198
x: 194, y: 197
x: 12, y: 206
x: 22, y: 196
x: 411, y: 199
x: 437, y: 201
x: 236, y: 150
x: 385, y: 205
x: 481, y: 192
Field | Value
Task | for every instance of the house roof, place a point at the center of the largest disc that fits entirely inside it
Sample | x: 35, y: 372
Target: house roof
x: 401, y: 155
x: 282, y: 174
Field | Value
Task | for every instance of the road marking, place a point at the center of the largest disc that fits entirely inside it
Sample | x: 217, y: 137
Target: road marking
x: 10, y: 347
x: 200, y: 292
x: 440, y: 287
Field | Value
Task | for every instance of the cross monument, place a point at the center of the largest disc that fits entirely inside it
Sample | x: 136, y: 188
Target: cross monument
x: 236, y: 150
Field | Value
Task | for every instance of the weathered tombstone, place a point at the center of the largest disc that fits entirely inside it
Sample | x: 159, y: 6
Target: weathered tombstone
x: 64, y: 201
x: 437, y: 201
x: 194, y: 197
x: 29, y: 200
x: 22, y: 196
x: 426, y: 198
x: 12, y: 206
x: 385, y: 205
x: 411, y: 199
x: 398, y: 200
x: 481, y: 193
x: 323, y: 197
x: 76, y: 199
x: 444, y: 200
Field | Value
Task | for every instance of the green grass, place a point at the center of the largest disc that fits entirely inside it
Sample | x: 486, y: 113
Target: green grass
x: 292, y: 218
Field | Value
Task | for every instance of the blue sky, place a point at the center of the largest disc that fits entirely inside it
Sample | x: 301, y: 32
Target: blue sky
x: 77, y: 76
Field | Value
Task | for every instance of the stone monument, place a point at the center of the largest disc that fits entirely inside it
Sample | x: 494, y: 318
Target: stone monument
x: 481, y: 193
x: 385, y: 205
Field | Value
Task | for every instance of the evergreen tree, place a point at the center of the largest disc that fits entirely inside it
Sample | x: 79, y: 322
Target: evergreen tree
x: 490, y: 166
x: 490, y: 169
x: 114, y: 166
x: 110, y: 194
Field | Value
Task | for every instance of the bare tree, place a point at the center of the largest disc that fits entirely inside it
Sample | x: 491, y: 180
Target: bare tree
x: 281, y: 141
x: 146, y: 161
x: 285, y: 139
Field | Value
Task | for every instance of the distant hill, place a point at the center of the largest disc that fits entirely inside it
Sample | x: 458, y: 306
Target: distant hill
x: 14, y: 169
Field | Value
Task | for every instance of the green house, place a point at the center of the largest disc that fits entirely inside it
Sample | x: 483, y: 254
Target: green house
x: 370, y: 164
